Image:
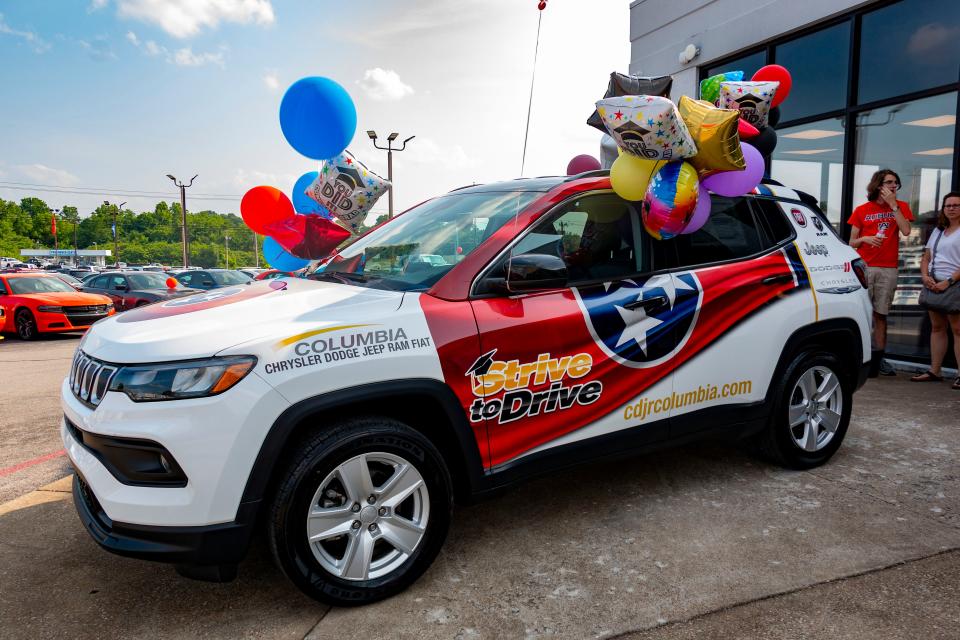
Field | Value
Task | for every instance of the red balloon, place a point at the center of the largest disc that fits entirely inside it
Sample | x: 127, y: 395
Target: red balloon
x: 307, y: 236
x: 542, y: 5
x: 775, y: 73
x: 171, y: 283
x: 581, y: 163
x: 264, y: 206
x: 747, y: 130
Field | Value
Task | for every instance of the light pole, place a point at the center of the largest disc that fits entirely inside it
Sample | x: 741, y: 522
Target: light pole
x: 116, y: 232
x: 56, y: 242
x: 226, y: 250
x: 183, y: 214
x: 389, y: 149
x: 256, y: 250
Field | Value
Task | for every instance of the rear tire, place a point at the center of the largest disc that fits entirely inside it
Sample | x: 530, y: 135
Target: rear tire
x: 26, y: 325
x: 379, y: 500
x: 811, y: 412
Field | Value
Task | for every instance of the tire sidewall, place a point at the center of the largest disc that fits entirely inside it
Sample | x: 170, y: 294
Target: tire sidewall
x: 790, y: 452
x: 290, y: 513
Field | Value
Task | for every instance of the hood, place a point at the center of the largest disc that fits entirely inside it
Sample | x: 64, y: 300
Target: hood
x: 204, y: 324
x: 67, y: 298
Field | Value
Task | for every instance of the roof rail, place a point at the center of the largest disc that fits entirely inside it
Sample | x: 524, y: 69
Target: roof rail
x: 596, y: 173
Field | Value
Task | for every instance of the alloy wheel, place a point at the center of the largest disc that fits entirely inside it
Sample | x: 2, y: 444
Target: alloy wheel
x: 368, y: 516
x: 816, y: 405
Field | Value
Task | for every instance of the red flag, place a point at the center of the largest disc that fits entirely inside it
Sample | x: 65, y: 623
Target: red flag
x: 53, y: 225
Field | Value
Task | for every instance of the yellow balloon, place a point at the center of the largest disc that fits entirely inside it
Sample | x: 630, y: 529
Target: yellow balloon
x: 715, y: 132
x: 630, y: 175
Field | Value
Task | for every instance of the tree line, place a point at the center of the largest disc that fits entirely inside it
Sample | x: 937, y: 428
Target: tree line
x: 144, y: 237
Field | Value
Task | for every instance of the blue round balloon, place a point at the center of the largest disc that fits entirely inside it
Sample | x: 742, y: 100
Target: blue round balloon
x: 318, y: 117
x: 278, y: 258
x: 302, y: 203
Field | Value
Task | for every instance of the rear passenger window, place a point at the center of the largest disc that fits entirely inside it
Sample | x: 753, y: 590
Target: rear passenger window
x: 773, y: 219
x: 730, y: 233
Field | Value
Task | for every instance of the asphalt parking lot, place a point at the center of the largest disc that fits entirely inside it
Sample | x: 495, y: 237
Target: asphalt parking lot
x: 699, y: 542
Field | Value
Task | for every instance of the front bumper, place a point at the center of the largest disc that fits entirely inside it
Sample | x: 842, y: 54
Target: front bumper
x: 220, y: 544
x: 214, y: 441
x: 57, y: 322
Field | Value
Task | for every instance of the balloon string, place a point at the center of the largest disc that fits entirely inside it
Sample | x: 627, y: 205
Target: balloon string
x: 533, y: 76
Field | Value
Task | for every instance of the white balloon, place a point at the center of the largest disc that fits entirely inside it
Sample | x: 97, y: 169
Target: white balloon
x: 347, y: 189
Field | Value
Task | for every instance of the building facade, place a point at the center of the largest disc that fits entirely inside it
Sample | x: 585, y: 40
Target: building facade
x: 875, y: 85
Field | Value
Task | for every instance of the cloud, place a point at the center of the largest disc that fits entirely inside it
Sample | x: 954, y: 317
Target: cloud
x: 185, y: 57
x: 272, y: 81
x: 384, y: 85
x: 428, y: 151
x: 99, y: 49
x: 249, y: 178
x: 183, y: 18
x: 931, y: 38
x: 38, y: 44
x: 43, y: 174
x: 97, y: 4
x: 153, y: 49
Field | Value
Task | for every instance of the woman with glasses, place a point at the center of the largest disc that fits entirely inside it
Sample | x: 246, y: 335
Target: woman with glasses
x: 941, y: 272
x: 876, y: 227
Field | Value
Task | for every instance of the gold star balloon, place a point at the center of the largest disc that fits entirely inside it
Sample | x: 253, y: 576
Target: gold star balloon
x: 715, y: 133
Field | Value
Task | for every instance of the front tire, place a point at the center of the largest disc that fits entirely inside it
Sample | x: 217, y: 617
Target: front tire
x: 811, y: 413
x: 26, y: 325
x: 361, y: 511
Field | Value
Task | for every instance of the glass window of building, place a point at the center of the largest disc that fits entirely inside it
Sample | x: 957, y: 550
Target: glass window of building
x: 908, y: 46
x: 748, y: 64
x: 818, y: 64
x: 915, y: 139
x: 809, y: 158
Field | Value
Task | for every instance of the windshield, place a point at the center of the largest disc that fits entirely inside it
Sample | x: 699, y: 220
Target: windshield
x: 149, y: 280
x: 230, y: 277
x: 46, y: 284
x: 415, y: 250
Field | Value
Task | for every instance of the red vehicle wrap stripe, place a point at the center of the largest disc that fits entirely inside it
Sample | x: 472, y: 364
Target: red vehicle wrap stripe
x: 557, y: 321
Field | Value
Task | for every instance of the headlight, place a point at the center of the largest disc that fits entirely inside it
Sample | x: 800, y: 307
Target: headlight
x: 48, y: 308
x: 177, y: 380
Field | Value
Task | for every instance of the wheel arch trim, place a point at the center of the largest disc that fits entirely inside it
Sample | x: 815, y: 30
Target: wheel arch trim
x: 286, y: 427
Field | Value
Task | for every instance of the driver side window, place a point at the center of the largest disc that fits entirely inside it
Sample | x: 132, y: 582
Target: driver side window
x: 598, y: 237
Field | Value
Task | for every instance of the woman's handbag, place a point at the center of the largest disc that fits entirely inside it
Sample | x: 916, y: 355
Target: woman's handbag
x: 946, y: 301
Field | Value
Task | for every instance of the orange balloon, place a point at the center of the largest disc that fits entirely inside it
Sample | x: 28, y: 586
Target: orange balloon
x: 263, y: 207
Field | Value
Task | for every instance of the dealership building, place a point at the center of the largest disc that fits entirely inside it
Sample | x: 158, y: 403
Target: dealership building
x: 875, y: 85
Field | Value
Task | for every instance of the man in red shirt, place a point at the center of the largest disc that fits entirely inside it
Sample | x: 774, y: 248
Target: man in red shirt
x: 875, y: 232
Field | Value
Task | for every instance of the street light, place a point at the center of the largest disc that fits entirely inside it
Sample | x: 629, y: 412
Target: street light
x: 183, y: 214
x: 389, y: 149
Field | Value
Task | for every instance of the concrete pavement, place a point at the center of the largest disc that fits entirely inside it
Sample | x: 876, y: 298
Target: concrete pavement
x: 700, y: 542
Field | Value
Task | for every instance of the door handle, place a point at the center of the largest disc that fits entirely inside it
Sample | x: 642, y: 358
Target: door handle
x: 781, y: 279
x: 650, y: 303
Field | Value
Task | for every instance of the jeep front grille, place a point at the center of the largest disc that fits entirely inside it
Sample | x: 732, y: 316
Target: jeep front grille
x: 90, y: 378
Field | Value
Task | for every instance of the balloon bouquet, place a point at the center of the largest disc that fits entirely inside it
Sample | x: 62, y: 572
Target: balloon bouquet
x: 672, y: 156
x: 318, y: 119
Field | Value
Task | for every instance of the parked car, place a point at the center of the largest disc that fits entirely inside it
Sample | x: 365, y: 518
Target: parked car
x: 70, y: 280
x: 344, y: 412
x: 37, y: 303
x: 270, y: 274
x: 253, y: 272
x: 130, y: 289
x: 212, y: 278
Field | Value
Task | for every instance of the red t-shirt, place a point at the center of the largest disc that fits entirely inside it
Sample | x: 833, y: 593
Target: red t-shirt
x: 875, y: 219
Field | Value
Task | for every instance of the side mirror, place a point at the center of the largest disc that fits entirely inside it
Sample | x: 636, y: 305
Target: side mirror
x: 534, y: 271
x: 121, y: 287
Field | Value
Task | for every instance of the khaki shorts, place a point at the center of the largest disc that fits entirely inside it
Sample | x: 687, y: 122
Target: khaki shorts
x: 882, y: 283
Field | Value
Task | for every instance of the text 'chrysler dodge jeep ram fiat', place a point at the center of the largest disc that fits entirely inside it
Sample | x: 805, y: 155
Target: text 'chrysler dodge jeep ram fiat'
x: 346, y: 411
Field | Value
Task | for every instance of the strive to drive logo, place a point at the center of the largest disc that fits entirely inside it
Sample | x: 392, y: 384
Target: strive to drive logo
x: 489, y: 377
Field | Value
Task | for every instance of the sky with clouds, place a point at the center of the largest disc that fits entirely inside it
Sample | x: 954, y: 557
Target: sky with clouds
x: 106, y: 97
